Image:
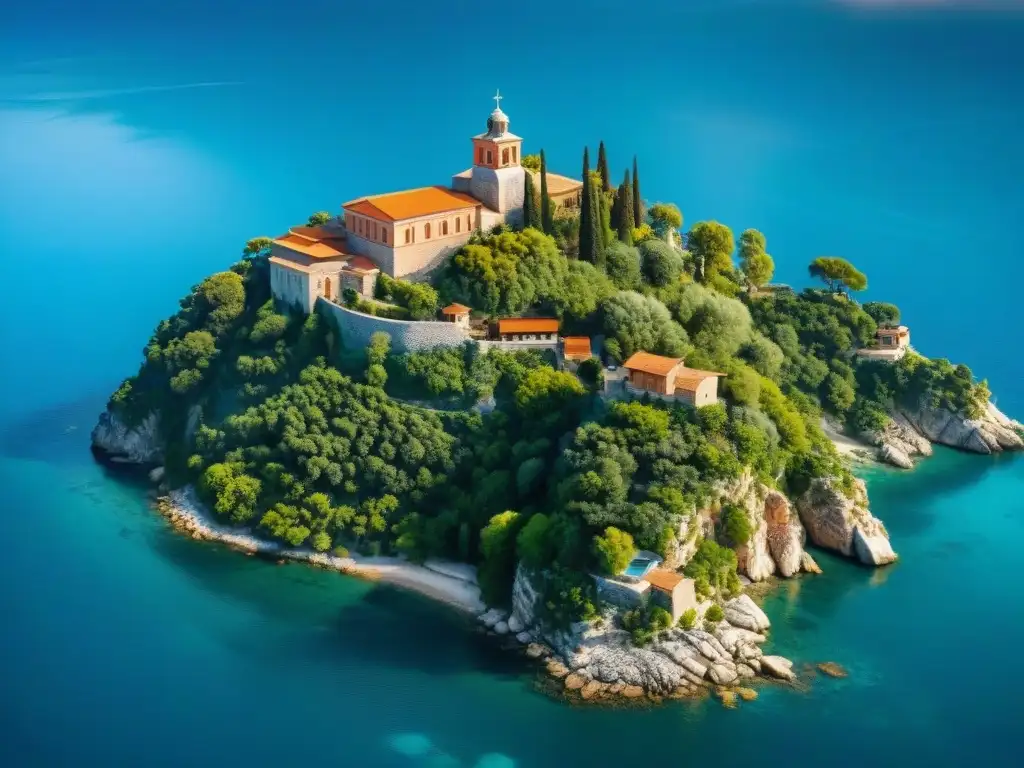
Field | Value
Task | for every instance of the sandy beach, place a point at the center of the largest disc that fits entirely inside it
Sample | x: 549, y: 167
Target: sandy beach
x: 850, y: 447
x: 450, y: 583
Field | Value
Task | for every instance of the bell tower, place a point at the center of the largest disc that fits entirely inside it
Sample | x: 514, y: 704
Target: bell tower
x: 498, y: 179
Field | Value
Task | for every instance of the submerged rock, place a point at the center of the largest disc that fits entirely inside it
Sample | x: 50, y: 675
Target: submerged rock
x: 778, y: 667
x: 832, y: 669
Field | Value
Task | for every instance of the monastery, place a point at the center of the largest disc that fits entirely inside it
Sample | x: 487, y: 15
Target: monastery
x: 409, y: 234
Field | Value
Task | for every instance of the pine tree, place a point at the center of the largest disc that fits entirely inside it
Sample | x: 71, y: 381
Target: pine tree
x: 587, y: 211
x: 638, y: 205
x: 626, y: 222
x: 602, y: 168
x: 547, y: 216
x: 529, y: 203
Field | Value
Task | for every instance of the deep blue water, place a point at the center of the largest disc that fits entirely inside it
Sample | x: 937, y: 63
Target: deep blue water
x: 141, y: 145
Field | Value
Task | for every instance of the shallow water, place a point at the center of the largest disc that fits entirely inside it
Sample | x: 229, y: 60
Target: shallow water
x: 138, y: 151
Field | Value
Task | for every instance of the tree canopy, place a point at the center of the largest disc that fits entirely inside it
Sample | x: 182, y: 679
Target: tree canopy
x: 838, y: 274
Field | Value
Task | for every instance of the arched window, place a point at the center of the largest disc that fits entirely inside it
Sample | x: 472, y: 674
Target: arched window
x: 458, y: 224
x: 444, y: 228
x: 504, y: 157
x: 426, y: 231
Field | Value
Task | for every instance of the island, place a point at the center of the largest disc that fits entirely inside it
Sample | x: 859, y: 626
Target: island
x: 539, y: 398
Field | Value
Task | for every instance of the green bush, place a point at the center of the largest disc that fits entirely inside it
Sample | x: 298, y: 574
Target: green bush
x: 736, y: 525
x: 688, y: 619
x: 714, y: 613
x: 613, y: 550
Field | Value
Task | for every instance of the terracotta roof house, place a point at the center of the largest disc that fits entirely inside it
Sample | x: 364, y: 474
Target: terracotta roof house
x: 891, y: 343
x: 456, y: 313
x: 565, y: 191
x: 309, y: 262
x: 527, y: 328
x: 576, y: 348
x: 672, y: 591
x: 667, y: 377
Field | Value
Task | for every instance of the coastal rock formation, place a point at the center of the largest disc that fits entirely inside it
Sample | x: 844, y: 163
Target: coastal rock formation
x: 745, y: 613
x: 912, y: 431
x: 140, y: 444
x: 777, y: 537
x: 838, y: 522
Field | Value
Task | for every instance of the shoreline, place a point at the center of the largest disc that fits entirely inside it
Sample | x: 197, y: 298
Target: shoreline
x: 849, y: 447
x: 453, y: 584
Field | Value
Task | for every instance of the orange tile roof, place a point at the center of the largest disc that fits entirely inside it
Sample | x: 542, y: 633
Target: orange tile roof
x: 576, y: 346
x: 288, y: 264
x: 362, y: 263
x: 313, y: 241
x: 528, y: 325
x: 688, y: 379
x: 455, y: 309
x: 411, y: 203
x: 659, y: 578
x: 653, y: 364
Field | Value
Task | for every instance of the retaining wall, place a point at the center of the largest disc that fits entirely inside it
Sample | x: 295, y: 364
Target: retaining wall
x: 406, y: 335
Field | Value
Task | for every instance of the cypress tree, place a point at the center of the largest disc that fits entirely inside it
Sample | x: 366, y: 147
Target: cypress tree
x: 638, y: 206
x: 587, y: 211
x: 602, y: 168
x: 529, y: 203
x: 607, y: 234
x: 626, y: 223
x: 547, y: 217
x: 597, y: 226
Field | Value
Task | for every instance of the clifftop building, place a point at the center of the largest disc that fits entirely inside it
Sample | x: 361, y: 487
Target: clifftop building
x: 408, y: 234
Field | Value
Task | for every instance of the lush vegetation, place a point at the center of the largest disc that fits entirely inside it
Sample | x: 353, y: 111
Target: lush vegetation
x: 314, y: 444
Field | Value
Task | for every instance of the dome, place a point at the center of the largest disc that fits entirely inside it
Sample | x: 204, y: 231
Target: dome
x: 497, y: 115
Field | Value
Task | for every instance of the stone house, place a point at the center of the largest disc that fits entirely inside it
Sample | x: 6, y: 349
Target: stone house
x: 672, y: 591
x: 668, y: 378
x: 456, y: 313
x: 891, y: 343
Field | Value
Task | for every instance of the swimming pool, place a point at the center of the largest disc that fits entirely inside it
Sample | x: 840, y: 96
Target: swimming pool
x: 639, y: 566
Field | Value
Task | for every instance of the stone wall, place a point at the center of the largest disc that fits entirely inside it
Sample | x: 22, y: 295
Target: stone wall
x: 620, y: 594
x: 356, y: 329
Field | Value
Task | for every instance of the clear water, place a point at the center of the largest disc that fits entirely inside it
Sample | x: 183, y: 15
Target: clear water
x: 142, y: 143
x: 638, y: 567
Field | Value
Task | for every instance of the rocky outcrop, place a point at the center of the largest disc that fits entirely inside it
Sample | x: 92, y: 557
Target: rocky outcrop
x: 140, y: 444
x: 744, y: 613
x: 912, y: 431
x: 841, y: 523
x: 776, y: 543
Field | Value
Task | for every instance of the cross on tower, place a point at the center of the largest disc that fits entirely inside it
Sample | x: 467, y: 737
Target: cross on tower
x: 497, y: 98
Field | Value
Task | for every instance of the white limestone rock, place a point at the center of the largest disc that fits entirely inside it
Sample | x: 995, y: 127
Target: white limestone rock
x: 140, y: 444
x: 831, y: 518
x: 721, y: 674
x: 778, y: 667
x: 891, y: 454
x: 501, y: 627
x: 515, y: 624
x: 745, y: 613
x: 991, y: 433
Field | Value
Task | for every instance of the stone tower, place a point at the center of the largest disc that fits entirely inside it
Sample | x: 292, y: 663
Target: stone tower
x: 498, y: 180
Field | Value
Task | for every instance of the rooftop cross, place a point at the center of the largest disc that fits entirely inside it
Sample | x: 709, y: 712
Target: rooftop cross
x: 497, y: 98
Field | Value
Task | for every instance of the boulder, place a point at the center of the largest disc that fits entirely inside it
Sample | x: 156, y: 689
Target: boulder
x: 831, y: 518
x: 832, y: 669
x: 557, y: 669
x: 575, y: 682
x: 501, y: 627
x: 991, y: 433
x: 138, y: 444
x: 591, y: 689
x: 720, y: 674
x: 891, y: 454
x: 747, y: 694
x: 515, y: 624
x: 809, y: 564
x: 157, y: 474
x: 744, y: 613
x: 777, y: 666
x: 632, y: 691
x: 536, y: 651
x: 523, y: 637
x: 744, y: 670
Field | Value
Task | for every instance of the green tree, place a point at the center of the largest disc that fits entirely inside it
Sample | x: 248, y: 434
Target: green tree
x: 590, y: 236
x: 688, y: 619
x: 530, y: 217
x: 714, y: 614
x: 624, y: 202
x: 546, y: 390
x: 321, y: 541
x: 755, y: 262
x: 602, y: 168
x: 319, y: 218
x: 711, y: 245
x: 590, y: 374
x: 622, y: 265
x: 838, y: 274
x: 613, y: 550
x: 641, y: 323
x: 736, y: 525
x: 662, y: 264
x: 534, y: 544
x: 638, y: 204
x: 531, y: 162
x: 883, y: 313
x: 498, y: 548
x: 547, y: 213
x: 664, y: 216
x: 257, y: 245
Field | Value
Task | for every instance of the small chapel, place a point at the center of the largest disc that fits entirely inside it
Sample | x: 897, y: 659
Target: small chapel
x: 408, y: 234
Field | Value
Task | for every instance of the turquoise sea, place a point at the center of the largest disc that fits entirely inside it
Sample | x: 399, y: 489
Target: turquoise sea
x: 140, y: 145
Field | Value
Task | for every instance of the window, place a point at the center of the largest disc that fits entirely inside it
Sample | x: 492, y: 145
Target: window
x: 504, y: 157
x: 444, y: 228
x: 375, y: 230
x: 359, y: 222
x: 383, y: 235
x: 488, y: 157
x: 458, y: 224
x: 514, y: 153
x: 408, y: 235
x: 480, y: 156
x: 426, y: 231
x: 469, y: 225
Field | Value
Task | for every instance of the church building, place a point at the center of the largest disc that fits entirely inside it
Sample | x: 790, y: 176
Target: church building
x: 406, y: 234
